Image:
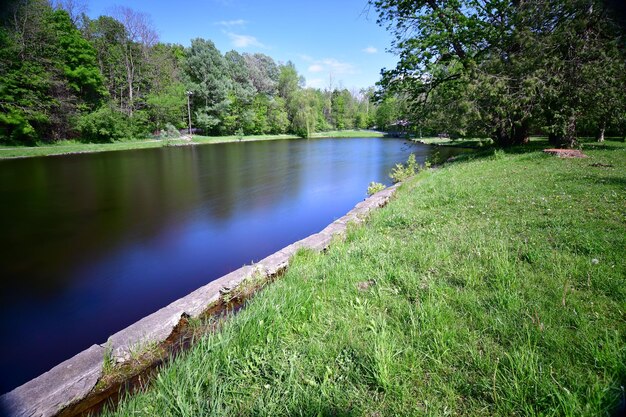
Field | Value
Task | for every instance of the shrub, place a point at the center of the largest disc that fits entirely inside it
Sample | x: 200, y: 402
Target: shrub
x: 105, y: 125
x: 404, y: 171
x: 434, y: 159
x: 16, y: 129
x: 170, y: 131
x: 375, y: 187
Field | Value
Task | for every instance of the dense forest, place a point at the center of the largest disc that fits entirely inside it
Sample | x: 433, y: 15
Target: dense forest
x: 66, y: 76
x: 504, y: 69
x: 507, y: 69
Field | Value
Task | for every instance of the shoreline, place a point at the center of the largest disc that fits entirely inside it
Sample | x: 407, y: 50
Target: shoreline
x: 19, y: 152
x: 88, y: 380
x: 473, y: 282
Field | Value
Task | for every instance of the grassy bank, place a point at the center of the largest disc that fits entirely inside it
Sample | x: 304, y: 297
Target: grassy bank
x: 494, y: 286
x: 536, y: 142
x: 70, y: 147
x: 461, y: 143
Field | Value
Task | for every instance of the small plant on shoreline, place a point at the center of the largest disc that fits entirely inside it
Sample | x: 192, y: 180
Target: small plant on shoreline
x: 375, y: 187
x: 404, y: 171
x: 107, y: 360
x: 434, y: 159
x: 169, y: 134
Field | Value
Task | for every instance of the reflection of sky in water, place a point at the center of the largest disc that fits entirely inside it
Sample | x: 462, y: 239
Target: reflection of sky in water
x: 98, y: 241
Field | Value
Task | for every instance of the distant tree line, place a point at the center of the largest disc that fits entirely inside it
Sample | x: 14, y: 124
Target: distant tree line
x: 507, y: 69
x: 64, y: 75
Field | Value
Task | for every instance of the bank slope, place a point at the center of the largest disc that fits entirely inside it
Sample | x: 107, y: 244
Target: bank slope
x: 489, y: 287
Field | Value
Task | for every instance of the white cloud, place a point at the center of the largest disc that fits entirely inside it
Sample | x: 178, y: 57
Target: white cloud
x: 244, y: 41
x: 230, y: 23
x: 316, y: 68
x: 330, y: 65
x: 338, y: 67
x: 370, y: 50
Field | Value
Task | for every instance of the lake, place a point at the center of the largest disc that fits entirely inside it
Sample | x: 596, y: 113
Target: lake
x: 94, y: 242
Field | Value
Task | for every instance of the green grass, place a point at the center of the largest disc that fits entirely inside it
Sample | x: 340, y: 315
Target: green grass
x: 493, y: 286
x: 535, y: 142
x: 71, y: 147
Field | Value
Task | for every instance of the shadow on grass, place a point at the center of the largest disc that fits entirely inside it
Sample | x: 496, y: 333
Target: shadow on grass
x: 536, y: 145
x: 325, y: 411
x: 604, y: 146
x: 619, y: 408
x: 491, y: 151
x: 610, y: 180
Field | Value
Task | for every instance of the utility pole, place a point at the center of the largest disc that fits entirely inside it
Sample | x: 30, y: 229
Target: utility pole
x: 189, y: 94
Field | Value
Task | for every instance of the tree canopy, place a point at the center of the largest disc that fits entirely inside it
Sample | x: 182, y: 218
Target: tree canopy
x: 64, y: 76
x: 507, y: 68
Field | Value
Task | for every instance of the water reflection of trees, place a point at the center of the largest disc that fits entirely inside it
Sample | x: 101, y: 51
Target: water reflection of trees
x: 246, y: 176
x: 124, y: 196
x: 63, y: 212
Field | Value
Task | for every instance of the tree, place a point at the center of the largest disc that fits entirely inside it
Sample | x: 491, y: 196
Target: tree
x: 288, y: 81
x: 342, y: 109
x: 25, y: 78
x: 76, y: 9
x: 78, y: 61
x: 113, y: 80
x: 338, y: 109
x: 167, y: 106
x: 49, y: 74
x: 277, y: 116
x: 207, y: 73
x: 515, y: 64
x: 586, y: 65
x: 364, y: 108
x: 260, y: 109
x: 304, y: 112
x: 140, y: 37
x: 605, y: 102
x: 263, y: 73
x: 108, y: 37
x: 444, y: 41
x: 106, y: 124
x: 386, y: 113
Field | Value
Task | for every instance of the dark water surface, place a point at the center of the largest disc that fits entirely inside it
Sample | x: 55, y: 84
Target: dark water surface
x: 92, y: 243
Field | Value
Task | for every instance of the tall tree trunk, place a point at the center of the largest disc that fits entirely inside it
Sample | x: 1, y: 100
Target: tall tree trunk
x: 553, y: 139
x: 130, y: 90
x: 569, y: 139
x: 565, y: 137
x: 521, y: 133
x: 130, y: 76
x: 600, y: 135
x: 517, y: 134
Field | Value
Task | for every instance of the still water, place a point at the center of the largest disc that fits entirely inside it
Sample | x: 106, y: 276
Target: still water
x: 91, y: 243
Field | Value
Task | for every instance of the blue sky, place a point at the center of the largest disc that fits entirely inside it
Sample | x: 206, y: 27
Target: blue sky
x: 323, y: 38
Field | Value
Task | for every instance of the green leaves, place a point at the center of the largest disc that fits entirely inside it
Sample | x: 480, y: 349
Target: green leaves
x: 79, y: 59
x: 49, y: 75
x: 105, y: 125
x: 504, y: 68
x: 167, y: 106
x: 53, y: 76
